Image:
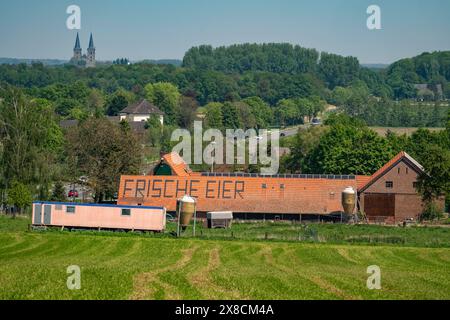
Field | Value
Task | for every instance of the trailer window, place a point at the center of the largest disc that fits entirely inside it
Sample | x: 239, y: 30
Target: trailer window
x: 70, y: 209
x: 126, y: 212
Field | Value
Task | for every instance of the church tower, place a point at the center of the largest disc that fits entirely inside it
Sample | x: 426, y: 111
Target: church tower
x: 90, y: 59
x: 77, y: 49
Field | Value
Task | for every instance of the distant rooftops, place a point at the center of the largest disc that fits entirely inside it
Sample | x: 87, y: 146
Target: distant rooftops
x: 142, y: 107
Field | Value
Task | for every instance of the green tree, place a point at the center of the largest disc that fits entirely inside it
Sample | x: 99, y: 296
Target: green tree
x: 96, y: 102
x: 435, y: 182
x: 213, y: 116
x: 349, y: 149
x: 166, y: 97
x: 287, y: 113
x: 59, y: 193
x: 246, y: 115
x: 154, y: 131
x: 19, y: 196
x: 230, y: 116
x: 31, y: 140
x: 188, y: 109
x: 117, y: 103
x: 102, y: 151
x: 304, y: 143
x: 262, y: 112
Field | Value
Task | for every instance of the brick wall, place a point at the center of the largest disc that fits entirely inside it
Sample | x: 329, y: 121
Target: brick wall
x: 408, y: 203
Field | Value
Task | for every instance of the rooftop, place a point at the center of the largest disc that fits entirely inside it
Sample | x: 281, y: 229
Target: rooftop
x: 142, y: 107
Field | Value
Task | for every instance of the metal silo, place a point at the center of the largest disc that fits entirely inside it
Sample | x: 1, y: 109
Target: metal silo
x: 349, y: 200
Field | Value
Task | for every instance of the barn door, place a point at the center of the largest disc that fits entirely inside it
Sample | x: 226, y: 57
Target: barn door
x: 37, y: 214
x: 379, y: 205
x: 47, y: 214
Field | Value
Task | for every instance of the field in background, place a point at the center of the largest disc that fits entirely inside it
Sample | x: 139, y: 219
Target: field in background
x: 127, y: 266
x: 408, y: 131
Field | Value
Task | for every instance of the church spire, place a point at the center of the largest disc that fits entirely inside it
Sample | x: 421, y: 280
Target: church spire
x: 91, y: 42
x: 77, y: 42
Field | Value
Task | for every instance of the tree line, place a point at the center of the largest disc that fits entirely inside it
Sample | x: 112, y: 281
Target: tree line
x: 347, y: 145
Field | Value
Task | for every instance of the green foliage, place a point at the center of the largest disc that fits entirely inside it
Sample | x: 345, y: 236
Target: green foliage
x: 31, y: 141
x: 188, y: 111
x: 287, y: 113
x: 167, y: 98
x: 262, y: 112
x: 336, y: 70
x: 102, y: 151
x: 19, y: 195
x: 431, y: 212
x: 357, y: 101
x: 118, y: 102
x: 269, y: 57
x: 154, y: 131
x: 293, y: 111
x: 304, y: 143
x: 435, y: 182
x: 346, y: 147
x: 349, y: 150
x: 59, y: 193
x: 213, y: 116
x: 230, y: 116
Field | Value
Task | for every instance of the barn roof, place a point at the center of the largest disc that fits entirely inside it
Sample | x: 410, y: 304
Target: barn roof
x: 142, y: 107
x: 361, y: 181
x: 180, y: 168
x: 177, y: 164
x: 402, y: 156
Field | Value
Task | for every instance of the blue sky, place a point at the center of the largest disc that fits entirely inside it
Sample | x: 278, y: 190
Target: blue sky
x: 157, y: 29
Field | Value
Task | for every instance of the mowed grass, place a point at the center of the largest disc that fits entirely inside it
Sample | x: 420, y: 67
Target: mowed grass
x: 33, y: 265
x: 429, y: 236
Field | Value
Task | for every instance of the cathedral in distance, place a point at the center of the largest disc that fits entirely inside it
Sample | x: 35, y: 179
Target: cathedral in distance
x: 84, y: 60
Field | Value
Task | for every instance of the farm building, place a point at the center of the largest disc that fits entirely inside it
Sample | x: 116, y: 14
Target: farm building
x: 390, y: 194
x: 99, y: 216
x: 287, y: 196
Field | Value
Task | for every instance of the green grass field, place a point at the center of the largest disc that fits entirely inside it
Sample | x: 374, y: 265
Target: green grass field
x: 126, y: 266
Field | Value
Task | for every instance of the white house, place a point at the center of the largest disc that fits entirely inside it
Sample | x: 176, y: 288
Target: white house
x: 141, y: 112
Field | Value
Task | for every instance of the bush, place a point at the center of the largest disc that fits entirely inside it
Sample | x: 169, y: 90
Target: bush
x: 59, y: 193
x: 19, y: 196
x: 431, y: 212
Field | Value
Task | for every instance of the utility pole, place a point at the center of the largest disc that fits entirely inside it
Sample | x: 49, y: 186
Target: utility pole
x: 213, y: 156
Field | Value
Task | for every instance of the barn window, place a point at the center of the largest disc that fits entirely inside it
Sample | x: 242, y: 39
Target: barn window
x: 415, y: 184
x: 398, y: 170
x: 389, y: 184
x: 281, y: 186
x: 126, y: 212
x: 332, y: 195
x: 406, y: 170
x: 70, y: 209
x: 264, y: 186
